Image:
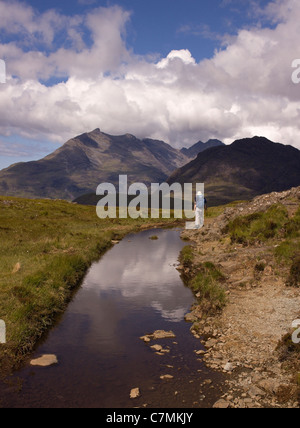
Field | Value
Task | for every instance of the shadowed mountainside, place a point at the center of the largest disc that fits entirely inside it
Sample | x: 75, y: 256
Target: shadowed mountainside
x: 243, y: 170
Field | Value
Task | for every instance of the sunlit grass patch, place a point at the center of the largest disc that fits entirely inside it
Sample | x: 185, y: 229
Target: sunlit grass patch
x: 187, y: 256
x: 260, y: 226
x: 209, y: 285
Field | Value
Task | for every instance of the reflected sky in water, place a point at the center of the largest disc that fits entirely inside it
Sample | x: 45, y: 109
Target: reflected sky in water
x: 143, y: 272
x: 133, y: 290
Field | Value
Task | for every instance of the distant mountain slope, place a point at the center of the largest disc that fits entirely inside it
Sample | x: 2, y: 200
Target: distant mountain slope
x: 84, y: 162
x: 200, y: 147
x: 245, y: 169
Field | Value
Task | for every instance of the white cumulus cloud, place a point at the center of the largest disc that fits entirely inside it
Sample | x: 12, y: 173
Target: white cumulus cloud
x: 245, y: 89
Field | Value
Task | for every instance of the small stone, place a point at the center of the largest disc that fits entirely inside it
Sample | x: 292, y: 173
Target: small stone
x: 16, y: 268
x: 134, y: 393
x: 190, y: 317
x: 254, y: 391
x: 158, y: 334
x: 268, y: 270
x: 269, y: 385
x: 228, y: 367
x: 221, y: 404
x: 44, y: 361
x: 200, y: 352
x: 161, y: 334
x: 166, y: 377
x: 146, y: 339
x: 157, y: 348
x: 211, y: 343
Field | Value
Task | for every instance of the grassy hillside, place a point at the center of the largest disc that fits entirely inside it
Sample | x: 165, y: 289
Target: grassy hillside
x: 46, y: 249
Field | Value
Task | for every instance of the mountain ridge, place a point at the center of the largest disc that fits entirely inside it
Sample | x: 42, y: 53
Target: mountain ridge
x: 200, y: 147
x: 242, y: 170
x: 85, y: 161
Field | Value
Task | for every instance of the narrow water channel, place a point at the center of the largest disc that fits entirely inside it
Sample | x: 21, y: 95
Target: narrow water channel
x: 133, y: 290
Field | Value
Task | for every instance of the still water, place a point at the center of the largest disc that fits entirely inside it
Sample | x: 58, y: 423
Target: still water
x: 133, y: 290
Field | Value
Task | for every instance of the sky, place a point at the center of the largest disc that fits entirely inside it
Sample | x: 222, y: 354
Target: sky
x: 175, y: 70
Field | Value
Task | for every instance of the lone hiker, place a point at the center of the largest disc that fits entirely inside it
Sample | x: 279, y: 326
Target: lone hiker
x: 199, y: 209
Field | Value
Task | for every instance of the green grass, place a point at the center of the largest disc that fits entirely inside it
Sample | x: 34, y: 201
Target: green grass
x: 292, y: 228
x: 49, y: 245
x: 265, y: 226
x: 187, y: 256
x: 294, y: 276
x: 209, y: 283
x: 258, y: 227
x: 288, y: 252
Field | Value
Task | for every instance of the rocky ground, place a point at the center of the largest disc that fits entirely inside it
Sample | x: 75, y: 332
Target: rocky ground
x: 242, y: 339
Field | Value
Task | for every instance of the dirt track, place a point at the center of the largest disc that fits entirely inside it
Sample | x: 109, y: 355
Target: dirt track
x: 242, y: 340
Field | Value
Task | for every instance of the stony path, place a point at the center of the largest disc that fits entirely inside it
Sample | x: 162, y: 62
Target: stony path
x: 242, y: 340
